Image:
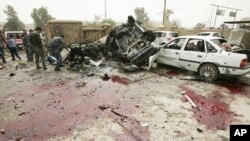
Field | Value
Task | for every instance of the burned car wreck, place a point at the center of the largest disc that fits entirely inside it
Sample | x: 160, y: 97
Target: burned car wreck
x: 130, y: 43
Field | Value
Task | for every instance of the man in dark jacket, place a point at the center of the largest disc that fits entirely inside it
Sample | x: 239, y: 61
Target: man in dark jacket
x: 26, y: 43
x: 36, y: 43
x: 55, y: 48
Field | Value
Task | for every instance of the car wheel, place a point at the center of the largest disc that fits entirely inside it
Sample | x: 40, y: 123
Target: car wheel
x: 209, y: 72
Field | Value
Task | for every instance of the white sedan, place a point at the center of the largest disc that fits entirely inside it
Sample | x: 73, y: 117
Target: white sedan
x: 204, y: 55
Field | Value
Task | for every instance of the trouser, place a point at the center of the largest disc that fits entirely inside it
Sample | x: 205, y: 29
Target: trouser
x: 2, y: 54
x: 58, y: 56
x: 13, y: 52
x: 39, y: 53
x: 29, y: 53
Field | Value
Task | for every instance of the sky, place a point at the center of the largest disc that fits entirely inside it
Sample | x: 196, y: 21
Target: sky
x: 189, y: 12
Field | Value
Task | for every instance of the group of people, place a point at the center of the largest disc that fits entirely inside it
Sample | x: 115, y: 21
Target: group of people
x: 34, y: 46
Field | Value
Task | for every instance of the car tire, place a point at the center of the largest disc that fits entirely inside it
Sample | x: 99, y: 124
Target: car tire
x: 209, y: 72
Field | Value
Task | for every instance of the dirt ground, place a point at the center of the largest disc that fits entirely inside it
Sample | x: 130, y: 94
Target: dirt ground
x: 44, y: 105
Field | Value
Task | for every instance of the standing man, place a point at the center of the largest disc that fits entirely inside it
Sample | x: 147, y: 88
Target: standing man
x: 2, y: 46
x: 55, y: 48
x: 30, y: 49
x: 13, y: 48
x: 26, y: 43
x: 36, y: 43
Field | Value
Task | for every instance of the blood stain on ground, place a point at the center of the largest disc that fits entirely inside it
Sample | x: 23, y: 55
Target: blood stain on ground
x: 120, y: 80
x: 211, y: 111
x: 172, y: 73
x: 235, y: 89
x: 55, y: 109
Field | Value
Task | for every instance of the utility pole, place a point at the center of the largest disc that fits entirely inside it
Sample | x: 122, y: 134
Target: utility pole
x: 105, y: 8
x: 216, y: 15
x: 164, y: 12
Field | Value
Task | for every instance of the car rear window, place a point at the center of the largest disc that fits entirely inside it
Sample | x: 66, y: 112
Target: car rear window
x: 203, y: 34
x: 160, y: 34
x: 174, y: 34
x: 218, y: 41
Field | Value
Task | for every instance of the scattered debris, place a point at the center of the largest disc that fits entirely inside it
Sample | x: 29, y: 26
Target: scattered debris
x: 11, y: 98
x: 36, y: 78
x: 16, y: 106
x: 21, y: 65
x: 22, y: 113
x: 12, y: 74
x: 103, y: 107
x: 2, y: 131
x: 199, y: 130
x: 144, y: 124
x: 98, y: 63
x: 1, y: 67
x: 105, y: 77
x: 80, y: 84
x: 189, y: 99
x: 118, y: 114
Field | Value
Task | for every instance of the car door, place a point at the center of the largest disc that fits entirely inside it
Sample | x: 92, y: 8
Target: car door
x: 171, y: 52
x: 193, y: 54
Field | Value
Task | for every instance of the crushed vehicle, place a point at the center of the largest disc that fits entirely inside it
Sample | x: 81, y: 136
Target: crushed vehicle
x: 86, y: 53
x: 130, y: 43
x: 203, y: 54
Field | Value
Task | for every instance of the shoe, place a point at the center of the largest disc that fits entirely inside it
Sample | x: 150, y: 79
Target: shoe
x: 45, y: 68
x: 38, y: 68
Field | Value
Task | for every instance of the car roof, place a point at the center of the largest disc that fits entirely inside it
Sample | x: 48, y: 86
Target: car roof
x: 201, y: 37
x: 165, y: 31
x: 208, y: 32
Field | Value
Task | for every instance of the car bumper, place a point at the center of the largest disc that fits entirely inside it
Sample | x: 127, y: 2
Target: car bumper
x: 234, y: 71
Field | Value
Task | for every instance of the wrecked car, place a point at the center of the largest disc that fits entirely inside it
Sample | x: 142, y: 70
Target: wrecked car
x: 201, y: 54
x: 132, y: 43
x: 86, y: 53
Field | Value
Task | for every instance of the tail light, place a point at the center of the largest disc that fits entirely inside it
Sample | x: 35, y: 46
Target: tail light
x: 243, y: 63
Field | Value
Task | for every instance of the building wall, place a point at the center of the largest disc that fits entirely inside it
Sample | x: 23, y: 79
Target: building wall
x: 70, y: 29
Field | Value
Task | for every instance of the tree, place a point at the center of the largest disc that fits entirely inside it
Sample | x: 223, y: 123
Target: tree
x: 141, y: 15
x: 109, y: 21
x: 13, y: 23
x: 199, y: 26
x: 41, y: 17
